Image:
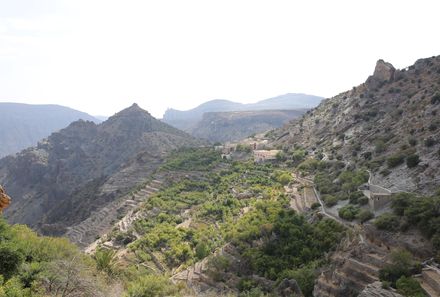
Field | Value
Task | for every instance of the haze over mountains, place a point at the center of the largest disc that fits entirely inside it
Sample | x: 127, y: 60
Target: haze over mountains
x: 191, y: 120
x: 83, y: 167
x: 23, y: 125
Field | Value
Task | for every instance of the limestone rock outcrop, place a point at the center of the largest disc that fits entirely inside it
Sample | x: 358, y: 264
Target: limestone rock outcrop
x: 5, y: 200
x: 384, y: 72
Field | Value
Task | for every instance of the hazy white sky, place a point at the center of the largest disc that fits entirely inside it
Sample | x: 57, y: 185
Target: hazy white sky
x: 100, y: 56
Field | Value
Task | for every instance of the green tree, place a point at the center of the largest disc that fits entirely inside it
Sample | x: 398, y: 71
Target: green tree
x: 409, y: 287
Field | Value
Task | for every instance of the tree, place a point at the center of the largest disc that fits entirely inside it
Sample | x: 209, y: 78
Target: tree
x: 401, y: 265
x: 407, y: 286
x: 106, y: 261
x: 10, y: 259
x: 67, y: 278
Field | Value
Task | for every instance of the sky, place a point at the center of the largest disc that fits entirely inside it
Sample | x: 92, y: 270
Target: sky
x: 100, y: 56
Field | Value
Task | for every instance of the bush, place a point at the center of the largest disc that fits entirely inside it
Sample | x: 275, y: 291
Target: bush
x: 401, y: 265
x: 330, y: 200
x: 407, y: 286
x: 429, y: 142
x: 412, y: 141
x: 380, y: 146
x: 152, y: 285
x: 395, y: 160
x: 10, y: 259
x: 315, y: 205
x: 355, y: 196
x: 363, y: 200
x: 387, y: 221
x: 348, y: 212
x: 412, y: 160
x: 435, y: 99
x: 365, y: 215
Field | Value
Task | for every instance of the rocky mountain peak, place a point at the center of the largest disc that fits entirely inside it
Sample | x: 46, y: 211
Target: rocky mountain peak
x: 383, y: 72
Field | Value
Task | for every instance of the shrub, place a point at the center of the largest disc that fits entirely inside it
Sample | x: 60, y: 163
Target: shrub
x: 363, y: 200
x: 330, y: 200
x: 412, y: 160
x: 152, y: 285
x: 395, y: 160
x: 412, y: 141
x: 315, y: 205
x: 348, y: 212
x: 379, y: 146
x: 10, y: 259
x: 385, y: 172
x: 407, y: 286
x: 429, y: 142
x: 401, y: 265
x: 365, y: 215
x: 435, y: 99
x: 387, y: 221
x: 354, y: 197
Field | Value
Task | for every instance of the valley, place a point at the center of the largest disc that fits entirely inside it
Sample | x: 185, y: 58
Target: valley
x: 342, y: 201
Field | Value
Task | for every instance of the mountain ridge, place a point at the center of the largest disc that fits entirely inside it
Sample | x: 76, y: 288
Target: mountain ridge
x: 23, y: 125
x: 190, y: 120
x: 379, y: 124
x: 85, y: 166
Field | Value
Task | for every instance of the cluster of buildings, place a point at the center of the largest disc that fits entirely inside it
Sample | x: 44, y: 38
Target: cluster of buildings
x: 258, y: 148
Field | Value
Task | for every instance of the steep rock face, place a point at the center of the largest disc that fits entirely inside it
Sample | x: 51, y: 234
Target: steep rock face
x: 85, y: 166
x: 23, y: 125
x: 232, y: 126
x: 394, y: 114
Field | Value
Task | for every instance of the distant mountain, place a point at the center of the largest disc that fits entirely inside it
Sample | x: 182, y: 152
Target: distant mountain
x: 85, y: 166
x: 187, y: 120
x: 23, y: 125
x: 236, y: 125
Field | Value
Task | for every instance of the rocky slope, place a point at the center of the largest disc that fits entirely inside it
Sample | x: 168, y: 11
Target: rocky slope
x: 236, y: 125
x: 188, y: 120
x: 391, y: 118
x: 23, y: 125
x: 85, y: 166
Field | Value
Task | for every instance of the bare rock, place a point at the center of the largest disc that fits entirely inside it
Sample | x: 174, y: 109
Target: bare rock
x: 5, y: 200
x: 375, y: 290
x: 384, y: 72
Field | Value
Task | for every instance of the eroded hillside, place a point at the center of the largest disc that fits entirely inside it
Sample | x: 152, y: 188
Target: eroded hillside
x: 390, y: 124
x: 85, y: 166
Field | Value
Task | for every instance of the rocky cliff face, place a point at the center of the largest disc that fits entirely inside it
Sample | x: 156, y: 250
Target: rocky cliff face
x: 85, y: 166
x: 395, y: 114
x: 232, y: 126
